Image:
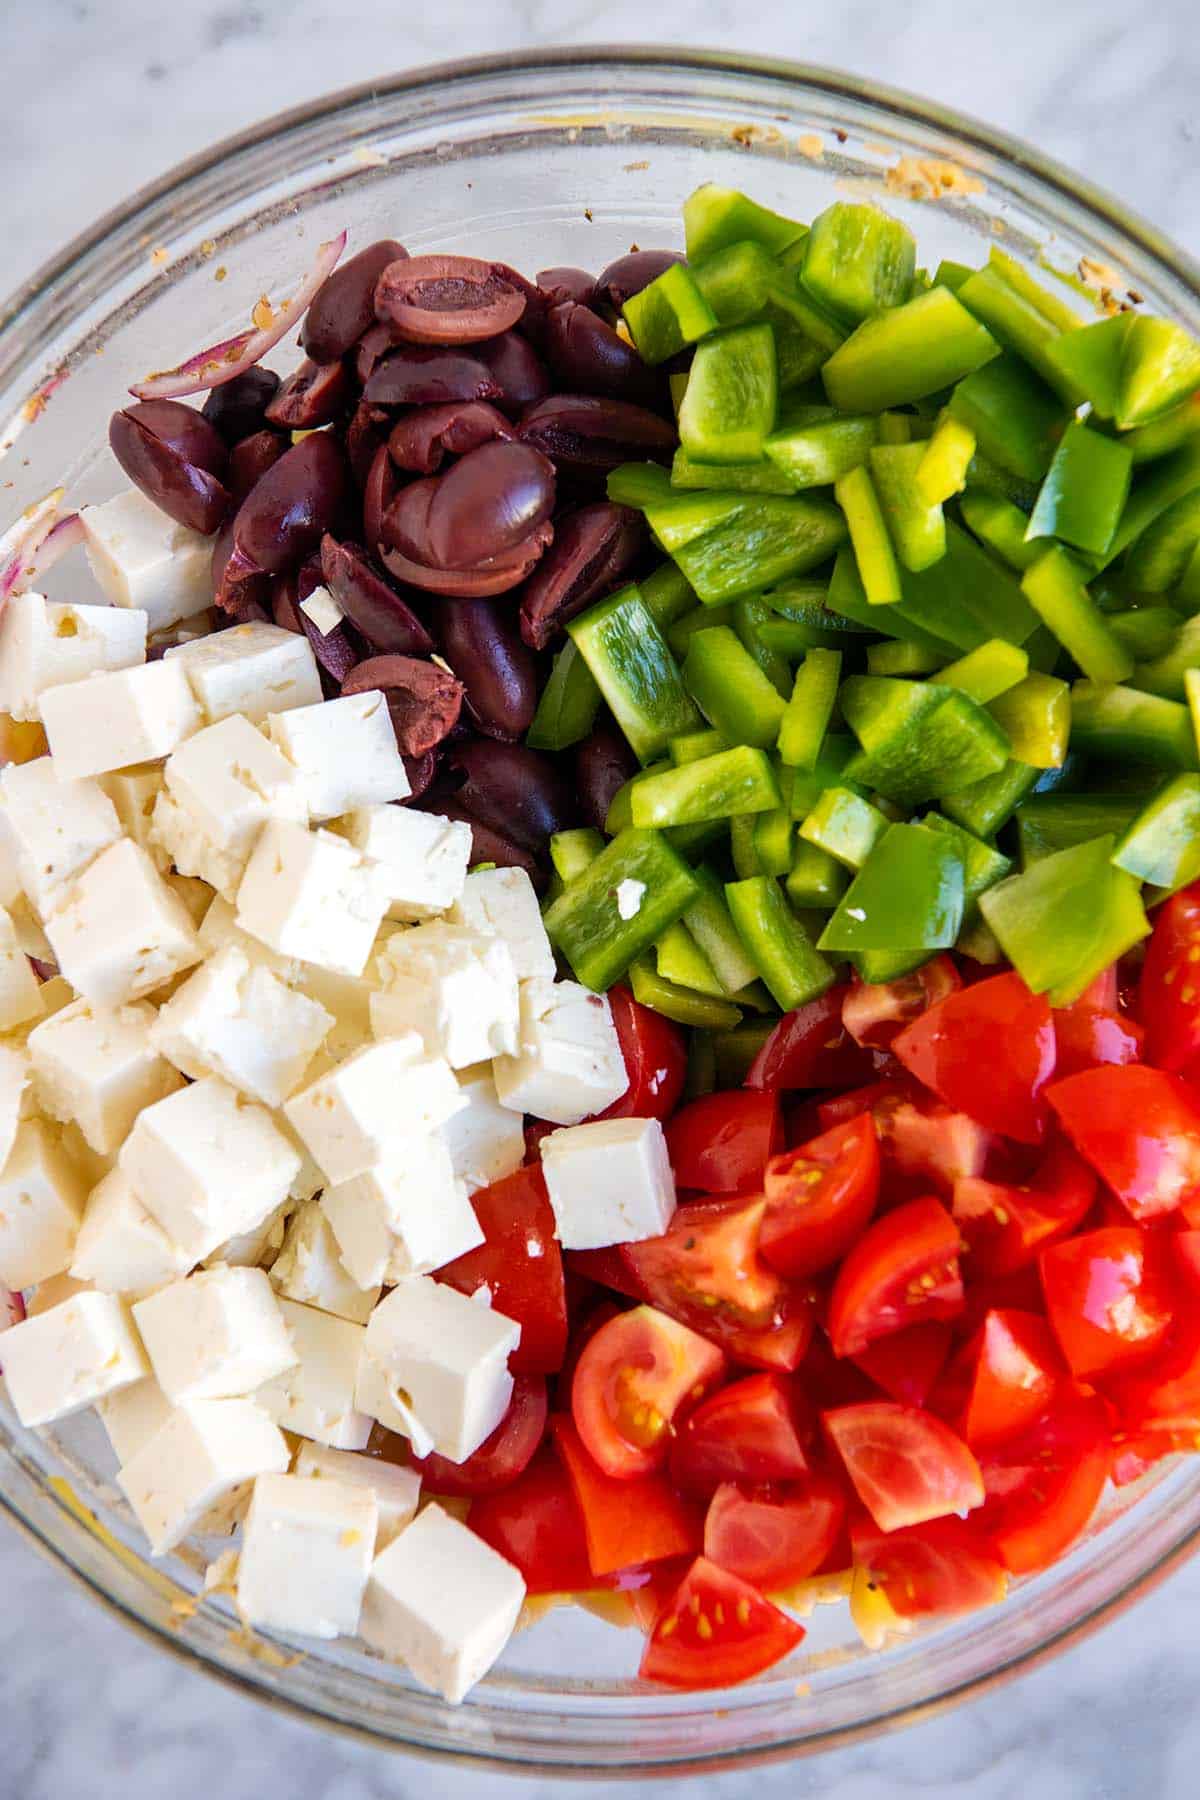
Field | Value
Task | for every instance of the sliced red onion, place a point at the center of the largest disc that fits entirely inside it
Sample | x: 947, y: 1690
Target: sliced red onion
x: 65, y: 535
x: 21, y: 543
x: 12, y: 1308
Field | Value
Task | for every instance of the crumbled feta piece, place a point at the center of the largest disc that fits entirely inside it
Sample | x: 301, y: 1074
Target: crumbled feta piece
x: 45, y: 644
x: 60, y: 1361
x: 214, y: 1335
x: 145, y: 560
x: 42, y: 1195
x: 208, y: 1164
x: 118, y: 931
x: 502, y: 902
x: 20, y: 989
x: 346, y: 753
x: 423, y: 857
x: 609, y: 1182
x: 14, y: 1098
x: 222, y: 786
x: 309, y: 1268
x: 254, y: 670
x: 306, y: 1555
x: 486, y: 1141
x: 366, y: 1107
x: 121, y: 1248
x: 323, y: 610
x: 131, y: 1416
x: 630, y: 895
x: 133, y: 793
x: 206, y: 1454
x: 396, y: 1490
x: 57, y: 827
x: 110, y: 721
x: 455, y: 987
x: 98, y: 1066
x: 569, y: 1064
x: 232, y: 1019
x: 219, y: 928
x: 443, y: 1359
x: 442, y: 1602
x: 315, y: 1398
x: 310, y: 894
x: 406, y: 1216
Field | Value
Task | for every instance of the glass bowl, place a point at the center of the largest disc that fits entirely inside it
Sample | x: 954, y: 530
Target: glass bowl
x: 567, y: 159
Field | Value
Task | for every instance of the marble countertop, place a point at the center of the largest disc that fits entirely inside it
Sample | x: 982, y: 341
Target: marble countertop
x: 101, y: 95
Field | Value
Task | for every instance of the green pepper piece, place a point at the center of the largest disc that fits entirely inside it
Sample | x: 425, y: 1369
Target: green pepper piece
x: 680, y: 960
x: 702, y: 1011
x: 878, y: 966
x: 815, y: 453
x: 1154, y: 489
x: 635, y: 671
x: 1019, y: 324
x: 790, y: 303
x: 1047, y: 823
x: 1157, y: 561
x: 1059, y: 916
x: 957, y: 603
x: 907, y: 352
x: 731, y: 690
x: 809, y: 784
x: 1054, y: 588
x: 892, y: 656
x: 732, y: 544
x: 774, y: 832
x: 845, y: 826
x: 1162, y: 844
x: 1159, y: 368
x: 1165, y: 674
x: 847, y: 599
x: 585, y: 923
x: 732, y: 396
x: 669, y: 313
x: 920, y: 744
x: 877, y: 570
x: 1085, y: 490
x: 709, y: 921
x: 951, y: 274
x: 1147, y: 632
x: 715, y: 217
x: 734, y: 1051
x: 743, y: 851
x: 1162, y: 435
x: 916, y: 528
x: 1186, y: 598
x: 942, y: 470
x: 907, y: 896
x: 715, y: 787
x: 572, y: 851
x: 1015, y: 418
x: 815, y: 879
x: 742, y: 478
x: 896, y: 427
x: 701, y: 618
x: 750, y: 614
x: 694, y: 744
x: 807, y: 714
x: 735, y: 281
x: 1035, y: 716
x: 858, y: 259
x: 666, y: 594
x: 1001, y: 526
x: 988, y: 477
x: 984, y: 674
x: 785, y: 956
x: 638, y: 484
x: 797, y: 620
x: 1053, y: 307
x: 677, y: 385
x: 1089, y: 361
x: 1124, y: 725
x: 982, y: 864
x: 570, y: 701
x: 984, y: 806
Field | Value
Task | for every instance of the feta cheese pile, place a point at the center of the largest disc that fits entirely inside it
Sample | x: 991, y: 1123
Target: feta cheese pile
x: 239, y: 1130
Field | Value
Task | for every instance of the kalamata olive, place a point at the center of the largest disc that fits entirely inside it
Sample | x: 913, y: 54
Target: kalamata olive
x: 369, y: 351
x: 335, y: 652
x: 379, y: 490
x: 285, y: 515
x: 517, y: 791
x: 421, y: 771
x: 593, y: 549
x: 423, y: 699
x: 480, y: 641
x: 285, y: 609
x: 515, y: 365
x: 370, y: 601
x: 487, y: 844
x: 494, y: 575
x: 366, y: 430
x: 487, y: 502
x: 603, y: 764
x: 344, y: 307
x: 589, y: 358
x: 416, y: 375
x: 313, y: 395
x: 629, y: 274
x: 421, y: 439
x: 566, y: 283
x: 235, y: 581
x: 584, y: 432
x: 250, y: 460
x: 446, y: 299
x: 238, y: 407
x: 176, y: 458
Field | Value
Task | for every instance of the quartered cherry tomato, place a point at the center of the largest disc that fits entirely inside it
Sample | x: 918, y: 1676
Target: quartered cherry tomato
x: 755, y: 1430
x: 1002, y: 1379
x: 819, y: 1198
x: 775, y: 1536
x: 988, y: 1051
x: 638, y: 1519
x: 520, y: 1264
x: 907, y: 1363
x: 1006, y: 1224
x: 1169, y: 993
x: 1108, y: 1298
x: 716, y: 1630
x: 875, y: 1012
x: 812, y: 1048
x: 906, y: 1465
x: 931, y: 1571
x: 1044, y: 1485
x: 1139, y: 1128
x: 536, y: 1523
x: 655, y: 1052
x: 502, y: 1457
x: 720, y: 1143
x: 902, y: 1271
x: 631, y: 1378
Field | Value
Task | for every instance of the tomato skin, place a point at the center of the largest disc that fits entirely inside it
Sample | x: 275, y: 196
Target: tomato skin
x: 759, y: 1429
x: 536, y: 1523
x: 626, y: 1522
x: 906, y: 1465
x: 1044, y: 1486
x: 1006, y: 1224
x: 819, y: 1198
x: 1139, y: 1128
x: 1002, y: 1379
x: 874, y: 1013
x: 988, y: 1051
x: 501, y: 1458
x: 903, y: 1270
x: 631, y: 1377
x: 1088, y: 1036
x: 1107, y: 1298
x: 1165, y: 1394
x: 774, y: 1536
x: 720, y: 1143
x: 521, y: 1265
x: 811, y: 1048
x: 1134, y: 1454
x: 716, y: 1630
x: 932, y: 1571
x: 907, y: 1363
x: 655, y: 1052
x: 1169, y: 994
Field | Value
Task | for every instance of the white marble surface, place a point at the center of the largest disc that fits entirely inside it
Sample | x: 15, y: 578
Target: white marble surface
x: 100, y: 95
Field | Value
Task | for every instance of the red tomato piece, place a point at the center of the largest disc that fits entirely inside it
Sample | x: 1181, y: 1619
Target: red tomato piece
x: 1002, y: 1379
x: 875, y: 1012
x: 906, y: 1465
x: 1185, y: 1248
x: 907, y: 1363
x: 775, y: 1536
x: 655, y: 1052
x: 879, y: 1098
x: 502, y: 1457
x: 988, y: 1051
x: 1020, y: 1291
x: 932, y: 1571
x: 1169, y: 993
x: 1165, y: 1395
x: 933, y: 1146
x: 1135, y: 1454
x: 720, y: 1143
x: 756, y: 1430
x: 639, y: 1520
x: 1140, y: 1130
x: 903, y: 1271
x: 521, y: 1266
x: 536, y: 1523
x: 1088, y: 1036
x: 1107, y: 1298
x: 716, y: 1630
x: 1006, y: 1224
x: 819, y: 1198
x: 1044, y: 1486
x: 828, y: 1380
x: 811, y: 1048
x: 631, y: 1378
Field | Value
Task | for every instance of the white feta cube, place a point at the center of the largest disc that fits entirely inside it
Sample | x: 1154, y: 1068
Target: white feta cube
x: 323, y: 610
x: 309, y: 1268
x: 456, y: 988
x: 306, y: 1555
x: 256, y: 1248
x: 219, y: 928
x: 442, y: 1602
x: 347, y: 999
x: 206, y: 1454
x: 46, y: 644
x: 238, y: 1021
x: 423, y: 857
x: 97, y: 1066
x: 121, y: 1248
x: 118, y: 931
x: 42, y: 1196
x: 366, y: 1107
x: 15, y: 1100
x: 145, y: 560
x: 315, y: 1398
x: 444, y: 1359
x: 609, y: 1182
x: 396, y: 1490
x: 254, y: 670
x: 110, y: 721
x: 60, y: 1361
x: 310, y: 894
x: 214, y: 1335
x: 407, y: 1216
x: 208, y: 1164
x: 133, y: 793
x: 20, y: 989
x: 57, y: 827
x: 132, y: 1415
x: 486, y: 1141
x: 346, y: 752
x: 502, y: 902
x: 569, y: 1064
x: 222, y: 786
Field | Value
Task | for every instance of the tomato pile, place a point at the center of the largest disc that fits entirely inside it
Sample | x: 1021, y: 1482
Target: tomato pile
x: 932, y: 1282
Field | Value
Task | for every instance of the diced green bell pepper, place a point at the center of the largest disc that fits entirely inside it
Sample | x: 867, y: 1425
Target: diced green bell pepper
x: 688, y: 840
x: 1053, y: 586
x: 907, y: 352
x: 732, y: 396
x: 740, y: 780
x: 808, y: 712
x: 908, y: 896
x: 585, y: 922
x: 700, y: 1077
x: 1155, y: 487
x: 570, y: 701
x: 635, y: 671
x: 735, y: 280
x: 1065, y: 918
x: 572, y: 851
x: 815, y: 453
x: 786, y: 958
x: 982, y: 864
x: 638, y: 484
x: 731, y: 690
x: 1159, y: 368
x: 666, y: 594
x: 710, y: 923
x: 877, y: 568
x: 845, y: 826
x: 1089, y: 362
x: 790, y: 303
x: 1001, y: 526
x: 1156, y: 562
x: 715, y: 217
x: 1162, y: 844
x: 694, y: 744
x: 917, y: 528
x: 704, y: 1012
x: 1162, y: 435
x: 1047, y: 823
x: 733, y: 544
x: 1147, y: 632
x: 743, y: 851
x: 1019, y: 323
x: 984, y: 674
x: 742, y: 478
x: 984, y: 806
x: 809, y: 784
x: 1085, y: 490
x: 1035, y: 716
x: 896, y: 427
x: 893, y: 656
x: 774, y: 834
x: 1123, y: 725
x: 680, y: 960
x: 797, y: 620
x: 701, y: 618
x: 920, y: 744
x: 1016, y: 419
x: 668, y: 314
x: 815, y: 879
x: 858, y: 260
x: 958, y: 603
x: 942, y: 470
x: 750, y: 614
x: 1165, y: 674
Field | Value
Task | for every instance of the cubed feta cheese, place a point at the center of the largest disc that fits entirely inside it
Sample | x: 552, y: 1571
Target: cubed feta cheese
x: 345, y: 751
x: 486, y: 1141
x: 15, y: 1099
x: 110, y: 721
x: 219, y: 927
x: 143, y: 559
x: 347, y: 999
x: 214, y: 1335
x: 569, y: 1064
x: 366, y: 1107
x: 502, y: 902
x: 222, y: 785
x: 442, y: 1602
x: 309, y: 1268
x: 118, y: 931
x: 235, y: 1020
x: 312, y: 895
x: 609, y: 1182
x: 208, y: 1164
x: 132, y: 1415
x: 443, y: 1359
x: 630, y: 895
x: 254, y: 670
x: 121, y: 1248
x: 323, y: 610
x: 306, y: 1555
x: 45, y: 644
x: 133, y: 793
x: 315, y: 1398
x: 256, y: 1248
x: 60, y: 1361
x: 42, y: 1195
x: 407, y: 1216
x: 98, y: 1066
x: 20, y: 989
x: 57, y: 827
x: 424, y: 857
x: 206, y: 1454
x: 396, y: 1490
x: 456, y: 988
